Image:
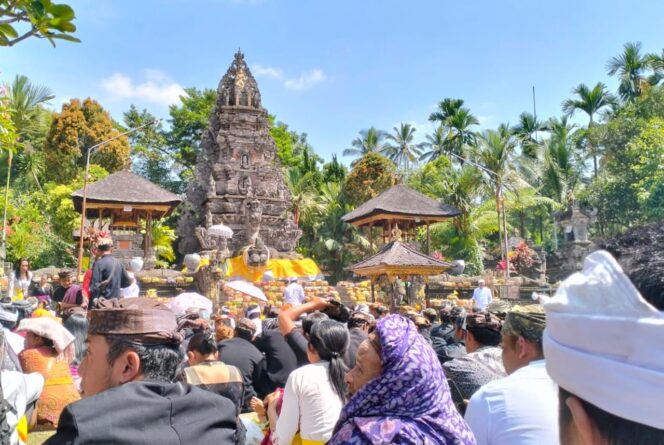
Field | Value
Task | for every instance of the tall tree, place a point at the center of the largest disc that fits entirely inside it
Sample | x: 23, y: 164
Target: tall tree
x: 561, y: 171
x: 403, y: 151
x: 436, y: 144
x: 526, y: 133
x: 152, y: 157
x: 188, y: 121
x: 591, y: 102
x: 370, y: 176
x: 369, y: 141
x: 78, y: 127
x: 43, y: 18
x: 495, y: 152
x: 630, y: 66
x: 459, y: 120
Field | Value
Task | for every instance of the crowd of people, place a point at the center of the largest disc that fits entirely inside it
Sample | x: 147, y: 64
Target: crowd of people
x: 582, y: 367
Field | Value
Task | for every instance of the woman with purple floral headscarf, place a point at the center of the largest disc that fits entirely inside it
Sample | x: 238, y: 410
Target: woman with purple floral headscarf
x: 406, y: 400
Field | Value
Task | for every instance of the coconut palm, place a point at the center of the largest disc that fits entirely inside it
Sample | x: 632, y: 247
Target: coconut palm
x: 370, y: 140
x: 403, y: 151
x: 590, y: 101
x: 436, y: 144
x: 495, y: 152
x: 526, y: 133
x: 630, y: 66
x: 30, y: 164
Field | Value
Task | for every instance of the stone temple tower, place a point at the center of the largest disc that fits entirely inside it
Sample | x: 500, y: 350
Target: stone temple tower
x: 238, y: 178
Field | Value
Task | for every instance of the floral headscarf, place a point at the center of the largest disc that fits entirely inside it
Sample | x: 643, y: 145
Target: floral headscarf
x: 409, y: 403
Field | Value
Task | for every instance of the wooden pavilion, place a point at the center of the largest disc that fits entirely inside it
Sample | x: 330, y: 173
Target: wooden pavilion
x: 401, y: 207
x: 120, y: 202
x: 398, y: 259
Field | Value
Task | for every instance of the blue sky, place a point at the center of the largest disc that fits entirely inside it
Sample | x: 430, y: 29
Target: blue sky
x: 331, y: 69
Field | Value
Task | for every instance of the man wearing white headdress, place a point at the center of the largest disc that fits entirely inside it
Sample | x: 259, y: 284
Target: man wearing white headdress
x: 603, y: 347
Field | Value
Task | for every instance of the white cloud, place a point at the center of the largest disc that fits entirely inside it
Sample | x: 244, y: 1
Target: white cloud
x: 158, y: 87
x: 305, y: 80
x: 267, y: 71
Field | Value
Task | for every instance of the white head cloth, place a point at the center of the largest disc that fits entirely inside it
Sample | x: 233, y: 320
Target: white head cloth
x: 62, y: 339
x: 603, y: 342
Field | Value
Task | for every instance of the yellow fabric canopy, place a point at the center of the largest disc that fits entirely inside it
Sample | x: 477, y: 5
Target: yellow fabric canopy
x: 281, y: 269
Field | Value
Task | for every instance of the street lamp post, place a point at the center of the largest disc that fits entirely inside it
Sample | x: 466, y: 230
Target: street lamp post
x: 85, y: 189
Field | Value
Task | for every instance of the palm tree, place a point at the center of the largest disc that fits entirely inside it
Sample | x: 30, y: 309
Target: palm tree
x: 630, y: 67
x: 30, y: 164
x: 526, y: 133
x: 561, y: 170
x: 370, y: 140
x: 458, y: 119
x: 437, y: 144
x: 446, y: 108
x: 495, y: 152
x: 26, y: 99
x: 403, y: 152
x: 303, y: 195
x: 590, y: 101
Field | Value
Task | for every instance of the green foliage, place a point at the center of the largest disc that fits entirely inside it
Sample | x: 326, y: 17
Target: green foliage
x: 80, y: 126
x: 163, y: 237
x: 188, y: 122
x: 44, y: 19
x: 369, y: 141
x: 369, y: 177
x: 152, y: 158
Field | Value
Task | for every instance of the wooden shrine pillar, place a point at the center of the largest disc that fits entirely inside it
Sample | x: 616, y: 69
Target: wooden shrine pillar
x: 147, y: 242
x: 428, y: 240
x: 371, y: 245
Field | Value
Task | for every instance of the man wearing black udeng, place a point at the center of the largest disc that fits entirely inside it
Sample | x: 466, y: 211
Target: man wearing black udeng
x: 108, y: 273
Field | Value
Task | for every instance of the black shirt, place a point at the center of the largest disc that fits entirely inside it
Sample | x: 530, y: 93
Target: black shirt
x: 102, y: 270
x: 280, y: 361
x: 59, y: 294
x: 298, y: 343
x: 357, y: 336
x: 148, y: 412
x: 248, y: 359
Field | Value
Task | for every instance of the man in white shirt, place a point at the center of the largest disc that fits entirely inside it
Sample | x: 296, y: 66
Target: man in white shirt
x: 482, y: 296
x: 294, y: 293
x: 522, y: 408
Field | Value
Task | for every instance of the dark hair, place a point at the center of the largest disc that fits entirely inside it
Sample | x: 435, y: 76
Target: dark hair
x: 17, y: 272
x: 203, y: 342
x: 330, y: 339
x: 77, y: 325
x: 159, y: 363
x: 64, y: 274
x: 244, y: 333
x: 484, y: 336
x: 104, y: 247
x: 357, y: 322
x: 381, y: 310
x: 311, y: 319
x: 615, y: 430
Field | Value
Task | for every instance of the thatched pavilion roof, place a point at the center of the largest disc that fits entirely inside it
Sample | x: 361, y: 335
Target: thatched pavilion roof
x: 401, y: 203
x: 398, y: 258
x: 127, y: 188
